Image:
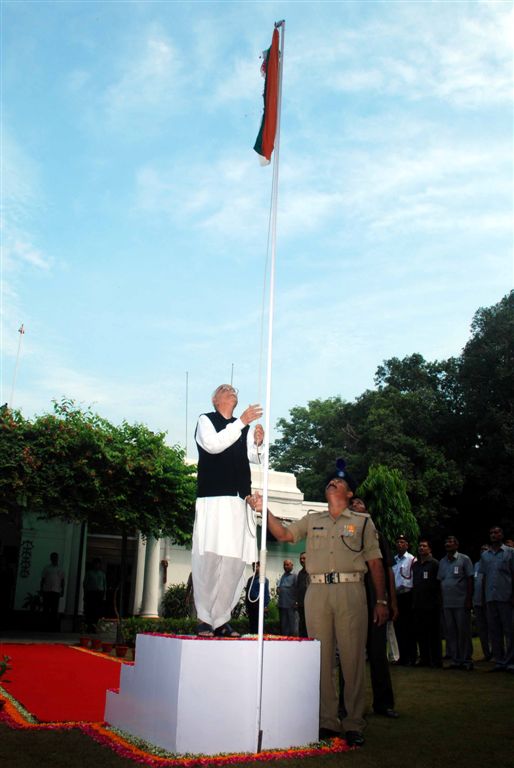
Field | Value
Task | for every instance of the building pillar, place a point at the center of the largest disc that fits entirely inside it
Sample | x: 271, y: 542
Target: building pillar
x: 150, y: 601
x: 137, y: 600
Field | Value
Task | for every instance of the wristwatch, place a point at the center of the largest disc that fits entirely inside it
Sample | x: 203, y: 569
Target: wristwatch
x: 381, y: 602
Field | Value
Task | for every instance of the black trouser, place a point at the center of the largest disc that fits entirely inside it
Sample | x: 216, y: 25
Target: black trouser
x: 383, y: 696
x: 93, y: 607
x: 302, y: 626
x: 252, y: 611
x: 51, y: 611
x: 404, y: 628
x: 428, y: 634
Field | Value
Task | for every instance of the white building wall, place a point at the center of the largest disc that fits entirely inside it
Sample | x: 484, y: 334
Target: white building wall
x: 151, y: 579
x: 39, y: 538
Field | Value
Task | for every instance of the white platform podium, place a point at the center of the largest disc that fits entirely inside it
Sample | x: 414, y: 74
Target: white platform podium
x: 199, y: 696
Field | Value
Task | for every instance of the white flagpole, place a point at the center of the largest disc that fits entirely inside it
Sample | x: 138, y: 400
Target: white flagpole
x: 21, y: 331
x: 187, y: 401
x: 267, y: 409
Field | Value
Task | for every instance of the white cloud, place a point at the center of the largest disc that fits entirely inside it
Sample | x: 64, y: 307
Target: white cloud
x: 78, y: 79
x: 21, y: 201
x: 20, y: 182
x: 425, y: 185
x: 25, y: 252
x: 214, y: 196
x: 149, y: 77
x: 458, y: 53
x: 240, y: 84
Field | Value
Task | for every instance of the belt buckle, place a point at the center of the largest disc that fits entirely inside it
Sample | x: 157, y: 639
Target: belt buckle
x: 330, y: 578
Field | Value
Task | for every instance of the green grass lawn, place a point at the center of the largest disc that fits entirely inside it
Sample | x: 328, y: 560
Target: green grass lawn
x: 464, y: 718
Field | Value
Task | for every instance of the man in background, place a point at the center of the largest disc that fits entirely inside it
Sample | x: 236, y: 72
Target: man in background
x: 94, y: 594
x: 252, y: 591
x: 404, y: 627
x: 426, y: 605
x: 479, y: 608
x: 52, y: 589
x: 497, y: 567
x: 286, y: 590
x: 455, y: 574
x: 302, y: 582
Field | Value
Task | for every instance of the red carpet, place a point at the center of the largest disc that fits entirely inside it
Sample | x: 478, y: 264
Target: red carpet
x: 58, y: 683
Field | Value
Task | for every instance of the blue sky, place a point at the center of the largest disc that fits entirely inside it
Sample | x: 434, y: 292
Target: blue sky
x: 135, y: 212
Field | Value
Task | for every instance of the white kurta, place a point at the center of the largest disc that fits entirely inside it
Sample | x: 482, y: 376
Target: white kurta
x: 224, y: 534
x: 225, y: 525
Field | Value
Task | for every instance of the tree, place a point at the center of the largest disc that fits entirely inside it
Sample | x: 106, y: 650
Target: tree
x: 385, y: 493
x: 76, y: 466
x: 311, y: 441
x: 13, y: 464
x: 446, y: 426
x: 486, y: 381
x: 403, y: 429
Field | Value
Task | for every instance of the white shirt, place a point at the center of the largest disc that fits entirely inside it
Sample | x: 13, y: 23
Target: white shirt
x: 216, y: 442
x: 52, y: 578
x: 402, y: 570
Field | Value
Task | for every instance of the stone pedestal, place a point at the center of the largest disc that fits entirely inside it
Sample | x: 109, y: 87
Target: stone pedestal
x: 199, y: 696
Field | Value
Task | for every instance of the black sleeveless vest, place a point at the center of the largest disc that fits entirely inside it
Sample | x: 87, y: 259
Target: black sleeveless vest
x: 226, y: 473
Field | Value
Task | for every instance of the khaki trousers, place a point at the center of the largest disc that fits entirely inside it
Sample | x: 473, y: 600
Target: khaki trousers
x: 337, y: 616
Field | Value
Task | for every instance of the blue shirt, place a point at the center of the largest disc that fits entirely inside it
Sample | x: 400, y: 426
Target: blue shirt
x: 287, y: 591
x: 497, y: 567
x: 253, y: 589
x: 454, y: 576
x: 477, y: 585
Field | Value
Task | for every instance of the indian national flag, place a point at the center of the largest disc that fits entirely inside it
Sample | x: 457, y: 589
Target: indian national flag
x: 266, y: 138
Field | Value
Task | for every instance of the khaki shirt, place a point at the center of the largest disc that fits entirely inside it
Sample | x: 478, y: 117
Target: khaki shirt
x: 343, y: 545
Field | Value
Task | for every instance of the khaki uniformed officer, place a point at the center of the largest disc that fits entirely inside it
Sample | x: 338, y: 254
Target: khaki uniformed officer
x: 341, y: 545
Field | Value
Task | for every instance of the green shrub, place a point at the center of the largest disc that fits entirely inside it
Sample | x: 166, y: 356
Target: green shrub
x: 185, y: 626
x: 173, y: 603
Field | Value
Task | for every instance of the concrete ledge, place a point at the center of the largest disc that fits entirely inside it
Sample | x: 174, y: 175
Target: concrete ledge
x: 199, y: 696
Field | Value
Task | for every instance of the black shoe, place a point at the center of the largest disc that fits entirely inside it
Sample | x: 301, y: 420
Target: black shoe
x: 354, y: 738
x: 328, y: 733
x: 389, y: 712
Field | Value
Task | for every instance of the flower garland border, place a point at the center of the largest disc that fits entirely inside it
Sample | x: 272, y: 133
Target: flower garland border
x: 100, y: 654
x: 16, y: 716
x: 245, y: 638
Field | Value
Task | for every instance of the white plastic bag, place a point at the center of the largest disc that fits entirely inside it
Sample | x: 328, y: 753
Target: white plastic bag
x: 393, y: 652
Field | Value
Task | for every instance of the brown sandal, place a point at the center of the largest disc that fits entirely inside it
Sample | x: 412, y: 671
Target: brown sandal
x: 226, y: 631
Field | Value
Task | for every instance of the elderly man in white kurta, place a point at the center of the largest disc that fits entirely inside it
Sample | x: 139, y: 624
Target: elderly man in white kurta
x: 224, y: 534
